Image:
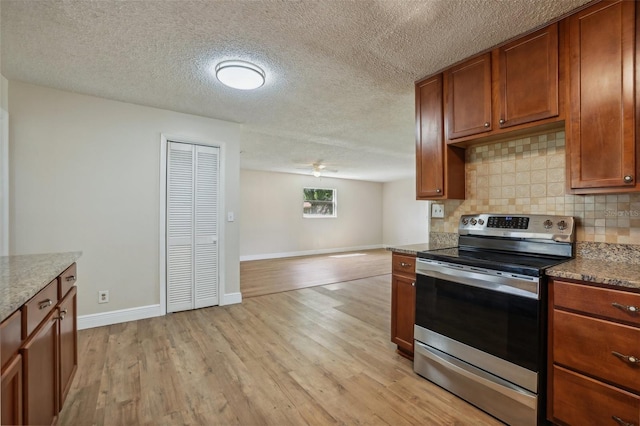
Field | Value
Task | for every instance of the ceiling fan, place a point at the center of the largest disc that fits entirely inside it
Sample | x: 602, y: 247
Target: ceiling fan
x: 318, y: 168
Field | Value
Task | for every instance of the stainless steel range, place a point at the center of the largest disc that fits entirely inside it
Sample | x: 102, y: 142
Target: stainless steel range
x: 481, y: 311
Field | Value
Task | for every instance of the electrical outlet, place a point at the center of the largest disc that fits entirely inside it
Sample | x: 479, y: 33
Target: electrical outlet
x: 437, y: 210
x: 103, y: 296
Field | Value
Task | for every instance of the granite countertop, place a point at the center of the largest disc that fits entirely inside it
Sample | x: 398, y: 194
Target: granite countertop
x: 22, y: 276
x: 598, y: 271
x: 413, y: 249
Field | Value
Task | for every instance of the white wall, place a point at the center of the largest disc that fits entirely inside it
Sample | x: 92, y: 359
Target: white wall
x: 405, y: 219
x: 271, y: 222
x: 84, y: 175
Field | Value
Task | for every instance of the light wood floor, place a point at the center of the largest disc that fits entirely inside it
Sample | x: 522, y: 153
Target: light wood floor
x: 315, y: 356
x: 259, y: 277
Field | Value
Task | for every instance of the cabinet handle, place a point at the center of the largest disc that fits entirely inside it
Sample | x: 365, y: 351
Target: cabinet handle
x: 631, y: 309
x: 404, y: 265
x: 70, y: 278
x: 628, y: 358
x: 487, y: 124
x: 628, y: 179
x: 63, y: 313
x: 621, y: 422
x: 502, y: 121
x: 45, y: 304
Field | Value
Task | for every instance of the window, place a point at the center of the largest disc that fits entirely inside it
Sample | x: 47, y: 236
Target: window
x: 319, y: 203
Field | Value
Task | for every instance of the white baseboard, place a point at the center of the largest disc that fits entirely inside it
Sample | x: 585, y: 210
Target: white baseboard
x: 231, y: 299
x: 141, y: 312
x: 307, y: 252
x: 116, y: 317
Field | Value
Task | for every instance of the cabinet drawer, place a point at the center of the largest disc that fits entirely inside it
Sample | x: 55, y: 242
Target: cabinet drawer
x: 404, y: 265
x: 10, y: 337
x: 36, y: 309
x: 579, y: 400
x: 67, y: 280
x: 587, y: 345
x: 613, y: 304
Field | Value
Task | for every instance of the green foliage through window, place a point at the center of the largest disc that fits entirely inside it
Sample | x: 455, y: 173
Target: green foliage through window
x: 319, y: 202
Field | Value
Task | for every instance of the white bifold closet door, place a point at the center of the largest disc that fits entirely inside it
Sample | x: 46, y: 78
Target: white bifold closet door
x: 192, y: 226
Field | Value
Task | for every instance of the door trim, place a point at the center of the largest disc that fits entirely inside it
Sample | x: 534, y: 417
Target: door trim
x: 162, y: 253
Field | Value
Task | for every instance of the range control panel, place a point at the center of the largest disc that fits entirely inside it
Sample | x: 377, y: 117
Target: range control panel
x: 518, y: 226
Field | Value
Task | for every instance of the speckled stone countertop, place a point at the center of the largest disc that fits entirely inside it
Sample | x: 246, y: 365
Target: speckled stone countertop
x: 598, y: 271
x: 413, y: 249
x: 22, y: 276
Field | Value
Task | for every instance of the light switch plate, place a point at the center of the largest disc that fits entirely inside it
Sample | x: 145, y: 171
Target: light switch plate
x: 437, y: 211
x: 231, y: 217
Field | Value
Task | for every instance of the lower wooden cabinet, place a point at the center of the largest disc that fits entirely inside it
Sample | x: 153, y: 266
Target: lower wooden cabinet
x: 11, y: 392
x: 37, y: 371
x: 594, y: 345
x: 403, y: 302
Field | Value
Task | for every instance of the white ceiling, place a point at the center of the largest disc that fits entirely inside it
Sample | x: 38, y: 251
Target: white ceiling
x: 339, y: 73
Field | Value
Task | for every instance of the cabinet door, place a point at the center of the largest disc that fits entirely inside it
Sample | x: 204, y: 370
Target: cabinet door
x: 468, y: 97
x: 12, y: 392
x: 580, y: 400
x: 41, y: 373
x: 429, y: 139
x: 601, y: 150
x: 403, y: 302
x: 528, y: 78
x: 439, y: 168
x: 68, y: 343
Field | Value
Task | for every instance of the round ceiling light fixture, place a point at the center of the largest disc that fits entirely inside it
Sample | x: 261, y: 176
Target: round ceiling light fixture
x: 240, y: 75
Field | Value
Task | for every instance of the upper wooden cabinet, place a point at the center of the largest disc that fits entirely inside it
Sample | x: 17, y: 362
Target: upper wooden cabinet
x: 468, y: 97
x: 512, y: 88
x: 601, y: 145
x: 439, y: 168
x: 528, y: 78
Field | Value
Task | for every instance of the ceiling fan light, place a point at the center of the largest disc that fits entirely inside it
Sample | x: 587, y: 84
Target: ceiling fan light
x: 316, y: 173
x: 240, y: 75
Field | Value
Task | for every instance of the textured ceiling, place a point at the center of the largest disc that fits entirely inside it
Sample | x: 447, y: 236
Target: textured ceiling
x: 339, y: 73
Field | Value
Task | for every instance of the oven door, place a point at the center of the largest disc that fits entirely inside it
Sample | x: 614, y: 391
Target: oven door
x: 489, y: 319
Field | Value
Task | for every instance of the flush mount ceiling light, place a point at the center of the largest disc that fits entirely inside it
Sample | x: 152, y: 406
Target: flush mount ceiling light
x: 240, y: 75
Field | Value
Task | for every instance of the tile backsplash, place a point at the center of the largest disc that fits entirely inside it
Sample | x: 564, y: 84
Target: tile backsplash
x: 527, y: 175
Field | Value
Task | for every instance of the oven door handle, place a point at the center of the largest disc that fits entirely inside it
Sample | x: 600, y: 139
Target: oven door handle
x: 523, y: 396
x: 503, y: 282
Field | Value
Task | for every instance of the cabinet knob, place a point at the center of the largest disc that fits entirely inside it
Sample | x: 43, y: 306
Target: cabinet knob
x: 628, y: 179
x: 621, y: 422
x: 487, y: 124
x: 413, y: 284
x: 628, y: 358
x: 45, y: 304
x: 438, y: 190
x: 630, y: 309
x: 502, y: 121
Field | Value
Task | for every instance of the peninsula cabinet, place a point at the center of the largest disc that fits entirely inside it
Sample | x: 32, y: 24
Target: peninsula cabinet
x: 439, y: 168
x: 38, y: 346
x: 601, y: 127
x: 403, y: 302
x: 513, y: 87
x: 594, y: 355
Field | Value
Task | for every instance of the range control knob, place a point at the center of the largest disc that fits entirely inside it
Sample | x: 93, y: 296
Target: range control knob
x: 465, y: 221
x: 548, y: 224
x: 480, y: 221
x: 562, y: 225
x: 474, y: 221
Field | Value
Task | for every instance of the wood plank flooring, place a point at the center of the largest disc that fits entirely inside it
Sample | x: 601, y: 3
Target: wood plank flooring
x: 316, y: 356
x: 259, y: 277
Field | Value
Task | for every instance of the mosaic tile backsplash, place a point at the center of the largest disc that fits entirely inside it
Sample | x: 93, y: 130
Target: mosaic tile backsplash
x: 527, y: 175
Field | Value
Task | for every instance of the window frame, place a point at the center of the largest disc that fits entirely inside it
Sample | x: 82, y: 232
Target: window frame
x: 321, y: 216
